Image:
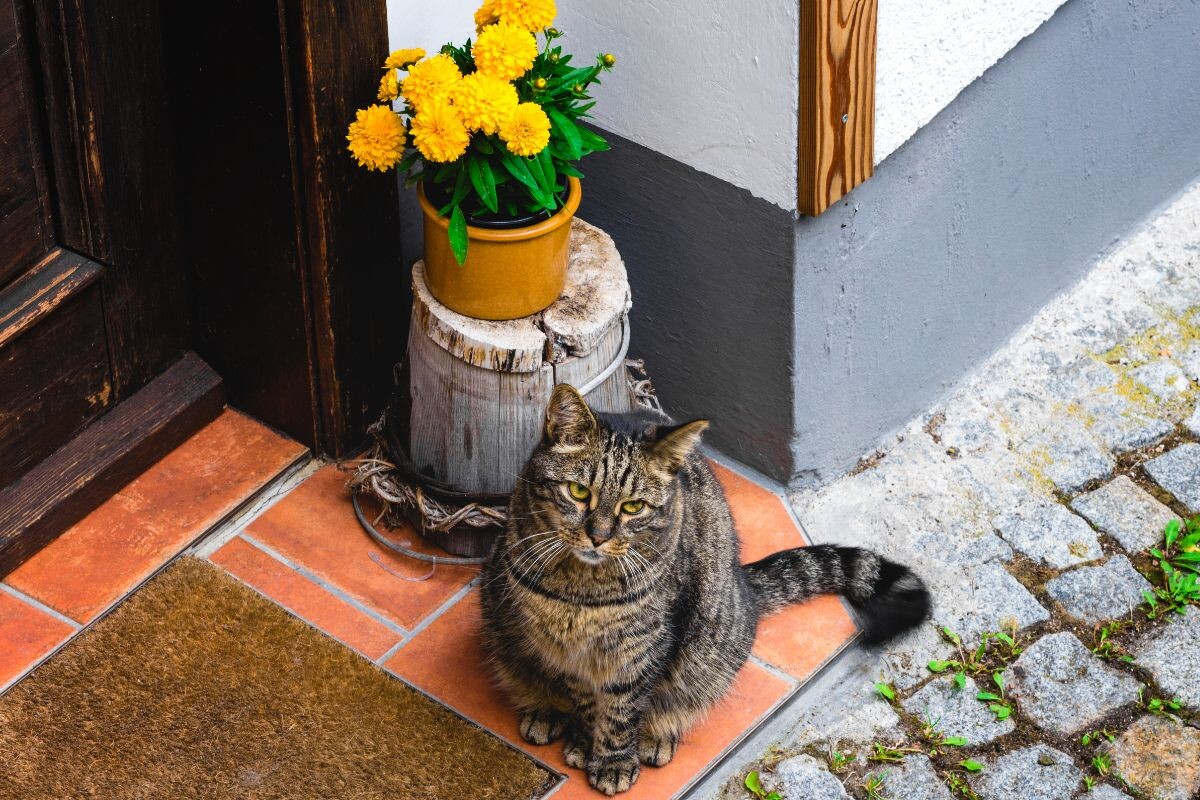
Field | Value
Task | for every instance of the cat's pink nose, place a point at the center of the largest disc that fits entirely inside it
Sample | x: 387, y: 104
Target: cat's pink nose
x: 598, y: 535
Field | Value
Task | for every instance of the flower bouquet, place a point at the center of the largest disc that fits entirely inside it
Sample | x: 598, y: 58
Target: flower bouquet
x: 495, y: 139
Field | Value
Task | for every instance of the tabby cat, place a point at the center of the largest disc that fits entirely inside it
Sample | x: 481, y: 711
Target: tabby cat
x: 616, y: 610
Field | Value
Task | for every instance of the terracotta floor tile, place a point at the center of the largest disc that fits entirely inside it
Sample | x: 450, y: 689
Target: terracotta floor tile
x: 26, y: 634
x: 798, y: 640
x: 148, y: 521
x: 315, y: 527
x: 762, y: 522
x: 306, y: 599
x: 445, y: 660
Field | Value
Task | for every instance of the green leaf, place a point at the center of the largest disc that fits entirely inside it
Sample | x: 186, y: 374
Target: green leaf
x: 971, y: 765
x: 886, y: 691
x: 458, y: 235
x: 519, y: 169
x: 753, y: 784
x: 960, y: 680
x: 567, y: 130
x: 955, y: 741
x: 1002, y: 712
x: 567, y: 169
x: 951, y: 636
x: 484, y: 182
x: 938, y: 666
x: 998, y: 679
x: 1149, y: 597
x: 1171, y: 532
x: 593, y: 141
x: 986, y: 696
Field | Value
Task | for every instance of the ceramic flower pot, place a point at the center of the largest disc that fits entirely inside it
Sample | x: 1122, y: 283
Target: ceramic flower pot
x: 509, y: 272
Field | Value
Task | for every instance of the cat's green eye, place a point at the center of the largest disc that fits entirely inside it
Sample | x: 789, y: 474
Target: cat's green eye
x: 633, y: 506
x: 578, y: 491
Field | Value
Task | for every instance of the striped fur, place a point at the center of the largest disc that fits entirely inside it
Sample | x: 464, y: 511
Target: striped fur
x: 616, y: 631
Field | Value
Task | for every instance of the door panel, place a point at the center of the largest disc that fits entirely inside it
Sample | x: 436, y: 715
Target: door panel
x: 58, y: 381
x: 24, y: 232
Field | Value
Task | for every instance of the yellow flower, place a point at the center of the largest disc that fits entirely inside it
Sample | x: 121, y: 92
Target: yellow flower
x: 376, y: 138
x: 438, y: 132
x: 608, y: 59
x: 389, y: 89
x: 485, y: 15
x: 505, y: 51
x: 430, y: 79
x: 532, y: 15
x: 484, y: 101
x: 402, y: 59
x: 527, y: 131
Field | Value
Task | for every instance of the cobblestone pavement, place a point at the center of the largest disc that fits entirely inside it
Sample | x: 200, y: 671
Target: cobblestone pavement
x: 1027, y: 500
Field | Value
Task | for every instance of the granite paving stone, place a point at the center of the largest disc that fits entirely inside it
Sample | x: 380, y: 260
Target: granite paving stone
x: 1106, y: 792
x: 956, y: 712
x: 1049, y: 533
x: 1063, y: 688
x: 1190, y: 360
x: 1178, y: 471
x: 1160, y: 757
x: 1121, y: 426
x: 1100, y: 593
x: 1126, y: 512
x: 989, y: 599
x: 804, y: 777
x: 1162, y: 377
x: 1192, y: 423
x: 914, y: 779
x: 1033, y: 773
x: 1172, y: 656
x: 1072, y: 458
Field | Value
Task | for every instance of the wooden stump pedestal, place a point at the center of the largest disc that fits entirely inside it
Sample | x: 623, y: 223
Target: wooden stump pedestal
x: 478, y: 389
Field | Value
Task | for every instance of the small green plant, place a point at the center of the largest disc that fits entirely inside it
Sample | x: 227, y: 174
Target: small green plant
x: 971, y: 765
x: 1089, y: 783
x: 1107, y: 647
x: 996, y: 702
x: 958, y: 786
x: 894, y: 754
x: 753, y: 784
x: 873, y: 786
x: 936, y: 739
x: 1102, y: 763
x: 886, y: 691
x: 839, y: 762
x: 1179, y: 562
x: 1094, y: 737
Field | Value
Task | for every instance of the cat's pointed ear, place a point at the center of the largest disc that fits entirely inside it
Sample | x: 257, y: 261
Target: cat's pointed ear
x: 674, y: 445
x: 569, y: 422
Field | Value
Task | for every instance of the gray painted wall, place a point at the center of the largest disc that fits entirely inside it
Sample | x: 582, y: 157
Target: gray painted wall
x: 1001, y: 202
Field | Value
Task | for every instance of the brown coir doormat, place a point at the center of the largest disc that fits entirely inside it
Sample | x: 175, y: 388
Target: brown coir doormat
x: 198, y: 687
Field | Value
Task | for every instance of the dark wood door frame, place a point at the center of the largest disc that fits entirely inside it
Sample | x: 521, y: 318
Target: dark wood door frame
x: 295, y: 249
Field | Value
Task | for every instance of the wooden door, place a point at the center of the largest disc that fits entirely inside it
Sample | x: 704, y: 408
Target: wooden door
x: 95, y: 380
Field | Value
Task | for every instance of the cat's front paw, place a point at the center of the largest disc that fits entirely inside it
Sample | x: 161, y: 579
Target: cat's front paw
x: 657, y: 752
x: 542, y: 726
x: 576, y: 751
x: 612, y: 775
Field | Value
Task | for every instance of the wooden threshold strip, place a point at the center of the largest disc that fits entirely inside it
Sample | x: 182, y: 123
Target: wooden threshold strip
x: 106, y: 455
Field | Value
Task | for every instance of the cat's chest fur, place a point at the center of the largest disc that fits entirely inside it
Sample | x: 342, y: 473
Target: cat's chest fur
x: 594, y: 644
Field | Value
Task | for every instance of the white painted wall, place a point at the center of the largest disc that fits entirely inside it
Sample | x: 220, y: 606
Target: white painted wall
x: 929, y: 53
x: 713, y: 84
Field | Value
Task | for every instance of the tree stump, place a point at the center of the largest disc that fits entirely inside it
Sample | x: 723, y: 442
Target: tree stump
x: 477, y: 389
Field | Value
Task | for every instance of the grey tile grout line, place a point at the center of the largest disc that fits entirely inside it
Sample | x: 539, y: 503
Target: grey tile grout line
x: 263, y: 500
x: 767, y: 666
x: 326, y: 585
x: 431, y: 618
x: 40, y: 606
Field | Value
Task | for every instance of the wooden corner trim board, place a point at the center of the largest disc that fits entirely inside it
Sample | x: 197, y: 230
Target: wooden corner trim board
x: 107, y: 454
x: 836, y: 148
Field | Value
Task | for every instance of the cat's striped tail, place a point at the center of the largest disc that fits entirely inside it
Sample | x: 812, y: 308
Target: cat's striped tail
x: 890, y: 596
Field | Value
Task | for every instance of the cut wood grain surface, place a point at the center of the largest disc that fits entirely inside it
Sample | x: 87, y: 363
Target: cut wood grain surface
x: 478, y: 388
x: 837, y: 100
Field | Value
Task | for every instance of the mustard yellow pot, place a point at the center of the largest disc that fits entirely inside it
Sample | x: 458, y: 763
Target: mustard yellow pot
x: 508, y: 273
